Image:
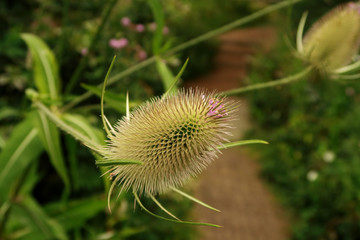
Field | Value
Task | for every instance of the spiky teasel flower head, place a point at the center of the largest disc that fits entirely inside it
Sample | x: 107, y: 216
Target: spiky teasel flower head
x: 175, y: 137
x: 334, y: 39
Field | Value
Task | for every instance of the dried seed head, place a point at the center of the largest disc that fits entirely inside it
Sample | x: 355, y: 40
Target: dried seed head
x: 175, y: 137
x: 335, y: 38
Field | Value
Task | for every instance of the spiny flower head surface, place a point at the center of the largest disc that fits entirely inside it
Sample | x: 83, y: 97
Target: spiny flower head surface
x: 335, y: 38
x: 175, y: 137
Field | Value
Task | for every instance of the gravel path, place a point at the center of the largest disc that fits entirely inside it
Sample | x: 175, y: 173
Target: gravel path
x: 232, y: 183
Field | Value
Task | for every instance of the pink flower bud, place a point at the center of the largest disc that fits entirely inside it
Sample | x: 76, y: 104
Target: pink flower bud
x: 84, y: 51
x: 125, y: 21
x: 165, y: 30
x: 118, y: 43
x: 140, y: 27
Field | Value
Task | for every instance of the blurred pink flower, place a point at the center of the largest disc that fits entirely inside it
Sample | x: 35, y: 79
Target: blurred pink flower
x: 142, y: 55
x: 84, y: 51
x: 118, y: 43
x: 165, y: 30
x: 140, y: 27
x: 125, y: 21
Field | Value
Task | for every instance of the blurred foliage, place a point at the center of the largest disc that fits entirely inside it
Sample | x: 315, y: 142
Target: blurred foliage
x: 50, y: 186
x: 312, y: 162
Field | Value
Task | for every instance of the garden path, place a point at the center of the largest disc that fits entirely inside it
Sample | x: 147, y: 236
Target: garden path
x: 232, y: 183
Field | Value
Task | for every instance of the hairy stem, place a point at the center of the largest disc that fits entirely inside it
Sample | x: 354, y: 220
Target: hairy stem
x: 274, y: 83
x: 62, y: 125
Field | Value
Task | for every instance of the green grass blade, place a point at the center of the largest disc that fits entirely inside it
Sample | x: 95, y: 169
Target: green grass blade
x: 169, y: 219
x: 242, y: 143
x: 176, y: 79
x: 45, y: 67
x: 195, y: 199
x: 117, y: 162
x: 50, y: 137
x: 20, y: 150
x: 102, y: 98
x: 43, y: 225
x: 159, y: 16
x: 166, y: 75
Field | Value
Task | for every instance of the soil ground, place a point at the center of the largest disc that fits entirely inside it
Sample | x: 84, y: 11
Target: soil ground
x: 232, y: 183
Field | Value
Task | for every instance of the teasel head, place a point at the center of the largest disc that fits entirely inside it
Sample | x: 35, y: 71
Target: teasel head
x: 175, y: 138
x: 333, y: 41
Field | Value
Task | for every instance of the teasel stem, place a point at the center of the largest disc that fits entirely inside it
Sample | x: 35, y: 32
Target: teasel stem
x: 61, y: 124
x: 180, y: 47
x: 279, y: 82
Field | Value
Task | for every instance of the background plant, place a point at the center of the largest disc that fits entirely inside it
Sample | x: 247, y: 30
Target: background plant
x: 50, y: 189
x: 313, y: 123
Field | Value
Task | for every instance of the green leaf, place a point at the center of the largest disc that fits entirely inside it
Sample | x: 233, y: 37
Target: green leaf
x: 158, y: 13
x: 46, y: 73
x: 77, y: 212
x: 50, y: 137
x: 37, y: 223
x: 166, y: 75
x: 20, y: 150
x: 116, y: 101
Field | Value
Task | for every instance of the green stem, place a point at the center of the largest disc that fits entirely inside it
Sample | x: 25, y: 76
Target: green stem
x: 232, y: 25
x: 274, y: 83
x: 64, y: 36
x: 187, y: 44
x: 80, y: 67
x: 61, y: 124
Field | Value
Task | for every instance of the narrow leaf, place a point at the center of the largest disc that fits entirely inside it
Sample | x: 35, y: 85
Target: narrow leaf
x: 195, y: 199
x: 102, y: 98
x: 241, y: 143
x: 166, y: 75
x: 50, y: 137
x: 175, y: 80
x: 45, y: 67
x: 46, y: 227
x: 117, y: 162
x: 169, y: 219
x: 163, y: 208
x: 159, y: 16
x: 20, y: 150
